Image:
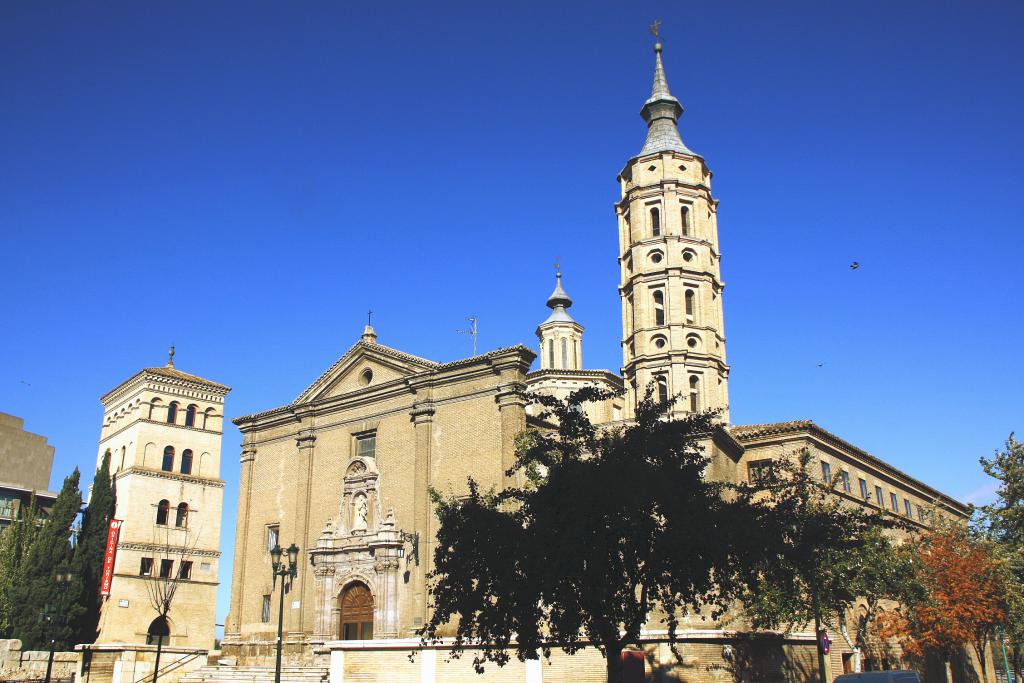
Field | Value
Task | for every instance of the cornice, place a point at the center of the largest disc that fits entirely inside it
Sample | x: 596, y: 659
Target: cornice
x: 171, y: 476
x: 606, y: 375
x: 168, y: 549
x: 146, y: 420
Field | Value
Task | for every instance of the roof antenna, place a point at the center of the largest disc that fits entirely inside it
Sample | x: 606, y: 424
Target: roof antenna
x: 170, y: 357
x: 472, y: 331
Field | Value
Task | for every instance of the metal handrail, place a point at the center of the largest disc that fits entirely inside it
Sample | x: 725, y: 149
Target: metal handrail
x: 170, y: 667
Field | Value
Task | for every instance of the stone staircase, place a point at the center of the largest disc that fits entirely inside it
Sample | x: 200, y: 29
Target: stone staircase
x: 256, y: 674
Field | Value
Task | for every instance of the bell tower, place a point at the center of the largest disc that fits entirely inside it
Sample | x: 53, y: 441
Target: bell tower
x: 671, y: 286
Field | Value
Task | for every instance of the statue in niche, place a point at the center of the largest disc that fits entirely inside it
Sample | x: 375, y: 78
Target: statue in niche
x: 360, y: 513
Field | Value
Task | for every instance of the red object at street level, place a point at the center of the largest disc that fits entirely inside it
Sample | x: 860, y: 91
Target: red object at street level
x: 632, y: 666
x: 826, y: 643
x: 109, y: 555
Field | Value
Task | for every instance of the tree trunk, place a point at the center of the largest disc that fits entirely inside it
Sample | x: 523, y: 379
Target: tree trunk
x: 613, y: 664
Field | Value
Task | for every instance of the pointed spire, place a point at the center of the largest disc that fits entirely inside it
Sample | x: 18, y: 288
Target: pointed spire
x: 661, y: 112
x: 558, y: 302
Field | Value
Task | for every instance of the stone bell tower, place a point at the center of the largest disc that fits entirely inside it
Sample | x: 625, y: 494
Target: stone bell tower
x: 671, y: 287
x: 561, y: 337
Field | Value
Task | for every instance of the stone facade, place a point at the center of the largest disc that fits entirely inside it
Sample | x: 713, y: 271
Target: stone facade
x: 345, y: 470
x: 162, y: 431
x: 25, y: 463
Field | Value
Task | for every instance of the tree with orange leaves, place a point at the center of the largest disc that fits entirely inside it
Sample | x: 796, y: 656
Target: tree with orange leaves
x: 964, y: 601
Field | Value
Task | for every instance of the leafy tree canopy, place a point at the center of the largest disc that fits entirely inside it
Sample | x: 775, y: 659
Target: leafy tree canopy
x: 609, y: 527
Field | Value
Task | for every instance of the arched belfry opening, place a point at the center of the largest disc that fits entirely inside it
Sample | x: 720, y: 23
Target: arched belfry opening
x: 356, y: 604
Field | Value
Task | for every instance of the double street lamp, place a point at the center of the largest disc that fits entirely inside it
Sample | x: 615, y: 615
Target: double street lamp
x: 287, y: 572
x: 52, y: 612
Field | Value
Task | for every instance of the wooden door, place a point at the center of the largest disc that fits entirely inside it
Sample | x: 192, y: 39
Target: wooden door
x: 357, y: 613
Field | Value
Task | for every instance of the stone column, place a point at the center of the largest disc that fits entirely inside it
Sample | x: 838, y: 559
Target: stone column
x: 422, y: 417
x: 512, y: 409
x: 305, y: 442
x: 233, y: 625
x: 323, y: 577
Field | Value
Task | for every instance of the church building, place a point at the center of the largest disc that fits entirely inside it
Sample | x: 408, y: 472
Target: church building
x: 344, y: 470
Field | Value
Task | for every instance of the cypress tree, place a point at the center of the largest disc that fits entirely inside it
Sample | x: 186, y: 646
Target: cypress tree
x: 89, y: 553
x: 36, y: 589
x: 14, y: 540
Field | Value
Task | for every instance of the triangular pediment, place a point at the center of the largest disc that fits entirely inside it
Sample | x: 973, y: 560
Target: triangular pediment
x: 364, y: 365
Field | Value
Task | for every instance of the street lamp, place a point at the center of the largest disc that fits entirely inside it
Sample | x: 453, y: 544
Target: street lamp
x: 63, y: 580
x: 287, y: 573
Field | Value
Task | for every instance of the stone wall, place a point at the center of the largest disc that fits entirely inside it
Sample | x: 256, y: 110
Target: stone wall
x: 24, y: 665
x: 122, y: 663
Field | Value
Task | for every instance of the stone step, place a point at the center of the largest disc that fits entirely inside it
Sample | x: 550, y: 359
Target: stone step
x: 256, y: 674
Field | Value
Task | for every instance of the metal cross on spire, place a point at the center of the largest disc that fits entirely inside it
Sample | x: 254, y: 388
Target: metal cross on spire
x: 369, y: 316
x: 558, y: 266
x: 655, y: 29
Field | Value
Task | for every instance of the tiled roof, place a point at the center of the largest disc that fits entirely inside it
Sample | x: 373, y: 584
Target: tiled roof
x: 174, y: 373
x: 747, y: 433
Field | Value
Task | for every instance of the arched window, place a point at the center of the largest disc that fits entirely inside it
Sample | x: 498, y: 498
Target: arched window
x: 124, y: 451
x: 684, y: 215
x: 694, y: 383
x: 172, y: 413
x: 153, y: 405
x: 551, y: 353
x: 659, y: 307
x: 655, y: 222
x: 565, y: 353
x: 662, y: 388
x: 162, y: 508
x: 190, y: 416
x: 207, y: 421
x: 159, y: 632
x: 181, y: 518
x: 689, y: 304
x: 168, y: 463
x: 186, y: 461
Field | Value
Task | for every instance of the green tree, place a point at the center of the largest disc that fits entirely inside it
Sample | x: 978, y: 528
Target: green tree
x: 14, y: 541
x: 89, y: 552
x: 611, y: 528
x: 50, y: 551
x: 811, y: 566
x: 1003, y: 523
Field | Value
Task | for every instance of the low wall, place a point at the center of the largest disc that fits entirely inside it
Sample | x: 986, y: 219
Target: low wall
x: 125, y: 663
x: 711, y: 657
x: 25, y: 665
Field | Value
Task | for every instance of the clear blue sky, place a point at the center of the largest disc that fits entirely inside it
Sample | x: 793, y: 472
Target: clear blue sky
x: 244, y: 180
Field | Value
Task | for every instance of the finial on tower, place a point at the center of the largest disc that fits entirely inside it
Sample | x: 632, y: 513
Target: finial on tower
x: 655, y: 29
x: 170, y: 357
x: 369, y: 335
x: 661, y: 110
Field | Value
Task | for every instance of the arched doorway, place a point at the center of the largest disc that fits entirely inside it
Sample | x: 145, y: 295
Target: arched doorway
x: 357, y: 613
x: 159, y: 632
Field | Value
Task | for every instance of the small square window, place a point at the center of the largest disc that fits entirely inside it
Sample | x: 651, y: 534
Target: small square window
x: 826, y: 472
x: 366, y: 445
x: 908, y: 508
x: 185, y: 570
x: 166, y: 568
x: 844, y: 477
x: 864, y: 490
x: 757, y: 470
x: 879, y: 496
x: 146, y: 567
x: 895, y: 502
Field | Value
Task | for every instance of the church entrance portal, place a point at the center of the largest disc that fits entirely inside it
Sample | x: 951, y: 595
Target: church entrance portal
x: 357, y: 613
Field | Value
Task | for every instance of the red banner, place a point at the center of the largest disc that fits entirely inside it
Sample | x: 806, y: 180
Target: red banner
x: 109, y: 555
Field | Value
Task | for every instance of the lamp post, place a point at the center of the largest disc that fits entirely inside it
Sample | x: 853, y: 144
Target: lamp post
x: 287, y: 573
x: 63, y: 580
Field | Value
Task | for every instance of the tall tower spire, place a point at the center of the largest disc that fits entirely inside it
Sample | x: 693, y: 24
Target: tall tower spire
x: 671, y: 287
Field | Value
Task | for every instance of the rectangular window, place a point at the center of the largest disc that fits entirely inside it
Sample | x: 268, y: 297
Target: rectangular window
x: 185, y: 570
x: 146, y: 567
x: 895, y: 502
x: 826, y: 472
x: 920, y: 514
x: 366, y: 445
x: 273, y: 534
x: 757, y: 469
x: 166, y: 568
x: 265, y: 614
x: 844, y: 477
x: 908, y: 508
x: 879, y: 497
x: 864, y: 490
